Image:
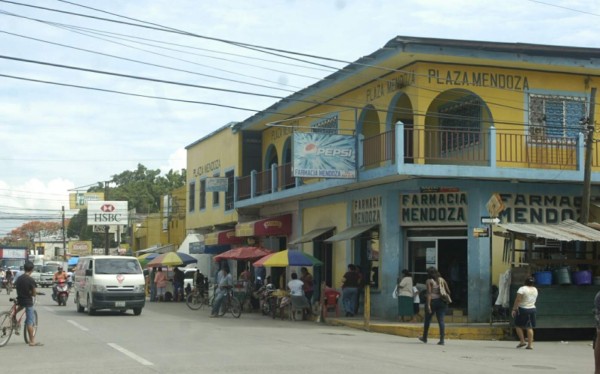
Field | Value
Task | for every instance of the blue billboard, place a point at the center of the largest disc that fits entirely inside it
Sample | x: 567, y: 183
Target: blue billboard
x: 318, y: 155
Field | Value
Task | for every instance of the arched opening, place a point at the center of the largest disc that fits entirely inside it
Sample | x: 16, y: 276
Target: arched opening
x: 457, y: 129
x: 369, y: 127
x: 400, y: 110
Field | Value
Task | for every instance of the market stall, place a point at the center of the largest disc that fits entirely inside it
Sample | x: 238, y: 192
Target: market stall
x: 564, y: 259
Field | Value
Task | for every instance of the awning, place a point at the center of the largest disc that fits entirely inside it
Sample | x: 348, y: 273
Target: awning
x: 350, y: 233
x: 566, y: 231
x: 157, y: 249
x: 311, y: 235
x: 222, y: 238
x: 273, y: 226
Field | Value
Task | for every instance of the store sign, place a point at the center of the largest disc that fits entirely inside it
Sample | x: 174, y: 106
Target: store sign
x: 79, y: 200
x: 318, y: 155
x: 217, y: 184
x: 107, y: 213
x: 366, y: 211
x: 545, y: 209
x: 444, y: 208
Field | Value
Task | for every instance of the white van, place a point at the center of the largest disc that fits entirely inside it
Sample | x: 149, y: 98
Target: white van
x: 109, y: 282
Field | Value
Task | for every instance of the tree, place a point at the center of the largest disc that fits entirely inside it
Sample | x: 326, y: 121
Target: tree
x: 34, y: 229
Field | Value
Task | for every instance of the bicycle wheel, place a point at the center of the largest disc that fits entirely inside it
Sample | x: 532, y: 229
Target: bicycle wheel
x: 6, y: 328
x: 235, y: 307
x: 194, y: 301
x: 35, y: 325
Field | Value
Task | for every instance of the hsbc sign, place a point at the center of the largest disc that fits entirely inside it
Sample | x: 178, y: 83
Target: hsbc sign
x: 107, y: 213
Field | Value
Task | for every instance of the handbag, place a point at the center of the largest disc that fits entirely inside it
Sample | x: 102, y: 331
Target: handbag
x: 395, y: 293
x: 444, y: 295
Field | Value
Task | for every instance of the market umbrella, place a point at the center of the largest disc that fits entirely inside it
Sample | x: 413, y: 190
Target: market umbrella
x: 172, y: 259
x: 243, y: 253
x: 73, y: 261
x: 288, y: 258
x: 146, y: 258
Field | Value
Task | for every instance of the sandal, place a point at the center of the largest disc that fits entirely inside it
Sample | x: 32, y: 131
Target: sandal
x: 38, y: 344
x: 521, y: 345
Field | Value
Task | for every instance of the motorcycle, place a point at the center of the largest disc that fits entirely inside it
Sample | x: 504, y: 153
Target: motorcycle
x: 267, y: 300
x: 62, y: 293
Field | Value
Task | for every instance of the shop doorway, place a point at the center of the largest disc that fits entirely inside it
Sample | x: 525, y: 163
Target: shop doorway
x: 447, y: 253
x: 324, y: 252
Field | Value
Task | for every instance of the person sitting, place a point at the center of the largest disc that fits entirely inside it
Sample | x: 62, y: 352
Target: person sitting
x: 298, y: 299
x: 59, y: 276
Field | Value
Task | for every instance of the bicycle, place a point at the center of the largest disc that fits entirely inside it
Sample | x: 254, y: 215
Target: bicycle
x: 198, y: 298
x: 231, y: 304
x: 11, y: 321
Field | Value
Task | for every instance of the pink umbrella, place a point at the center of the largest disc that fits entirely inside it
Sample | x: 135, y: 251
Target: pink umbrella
x: 243, y: 253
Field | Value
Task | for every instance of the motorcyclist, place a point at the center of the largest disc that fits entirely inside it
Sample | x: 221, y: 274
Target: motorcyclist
x: 60, y: 275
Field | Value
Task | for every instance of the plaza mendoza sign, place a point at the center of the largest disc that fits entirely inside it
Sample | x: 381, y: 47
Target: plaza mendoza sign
x: 534, y: 208
x: 319, y: 155
x: 440, y: 208
x: 107, y: 213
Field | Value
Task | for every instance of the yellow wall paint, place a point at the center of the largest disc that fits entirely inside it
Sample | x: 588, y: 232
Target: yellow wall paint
x: 324, y: 216
x: 214, y: 155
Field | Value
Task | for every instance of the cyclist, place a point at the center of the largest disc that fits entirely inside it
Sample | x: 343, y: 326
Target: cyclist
x: 8, y: 279
x: 57, y: 277
x: 26, y: 291
x: 225, y: 284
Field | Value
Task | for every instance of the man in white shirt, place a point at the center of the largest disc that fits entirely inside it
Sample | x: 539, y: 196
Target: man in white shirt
x: 295, y: 286
x: 299, y: 301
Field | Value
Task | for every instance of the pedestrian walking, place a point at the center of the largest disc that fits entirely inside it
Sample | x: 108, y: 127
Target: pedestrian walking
x: 524, y: 312
x: 161, y: 284
x: 434, y: 304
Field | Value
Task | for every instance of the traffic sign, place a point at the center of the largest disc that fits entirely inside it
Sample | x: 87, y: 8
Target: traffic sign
x: 490, y: 220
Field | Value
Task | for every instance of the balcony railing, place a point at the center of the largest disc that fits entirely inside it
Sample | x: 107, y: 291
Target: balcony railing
x: 435, y: 146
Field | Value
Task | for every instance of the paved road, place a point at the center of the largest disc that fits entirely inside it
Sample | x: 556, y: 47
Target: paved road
x: 170, y: 338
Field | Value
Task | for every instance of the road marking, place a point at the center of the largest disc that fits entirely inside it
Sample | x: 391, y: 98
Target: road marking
x: 131, y: 354
x: 82, y: 328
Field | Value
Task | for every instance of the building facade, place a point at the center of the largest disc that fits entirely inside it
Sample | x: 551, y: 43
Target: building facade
x: 400, y: 159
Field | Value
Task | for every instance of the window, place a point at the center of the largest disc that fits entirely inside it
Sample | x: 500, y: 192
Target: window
x: 553, y: 117
x: 229, y: 192
x: 203, y: 194
x: 460, y: 123
x: 216, y: 194
x: 192, y: 196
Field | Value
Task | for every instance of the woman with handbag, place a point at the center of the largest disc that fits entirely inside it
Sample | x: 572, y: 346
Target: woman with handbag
x: 405, y: 297
x: 434, y: 303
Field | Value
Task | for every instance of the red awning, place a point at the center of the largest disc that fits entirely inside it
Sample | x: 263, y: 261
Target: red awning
x: 272, y: 226
x: 222, y: 238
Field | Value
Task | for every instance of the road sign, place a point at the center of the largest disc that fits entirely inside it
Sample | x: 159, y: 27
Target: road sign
x: 495, y: 205
x: 490, y: 220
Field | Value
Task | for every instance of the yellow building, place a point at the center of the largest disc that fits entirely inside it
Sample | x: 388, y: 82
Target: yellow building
x: 391, y: 162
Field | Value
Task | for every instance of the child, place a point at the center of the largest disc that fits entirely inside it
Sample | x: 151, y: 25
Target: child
x: 416, y: 304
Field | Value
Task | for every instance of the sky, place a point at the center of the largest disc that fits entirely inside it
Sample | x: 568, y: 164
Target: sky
x: 86, y: 94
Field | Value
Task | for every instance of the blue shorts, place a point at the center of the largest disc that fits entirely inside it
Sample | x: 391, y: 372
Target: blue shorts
x: 525, y: 318
x: 29, y: 316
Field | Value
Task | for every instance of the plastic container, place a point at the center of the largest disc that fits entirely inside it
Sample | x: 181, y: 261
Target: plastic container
x: 582, y: 277
x: 563, y: 276
x: 543, y: 278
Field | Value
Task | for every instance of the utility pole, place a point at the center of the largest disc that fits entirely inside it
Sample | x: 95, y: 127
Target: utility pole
x: 106, y: 236
x: 587, y: 174
x: 64, y: 237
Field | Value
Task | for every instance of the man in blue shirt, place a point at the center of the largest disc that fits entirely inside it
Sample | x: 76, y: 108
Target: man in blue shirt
x: 225, y: 283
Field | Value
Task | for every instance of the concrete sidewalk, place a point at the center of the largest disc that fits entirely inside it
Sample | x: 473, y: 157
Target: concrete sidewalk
x: 466, y: 331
